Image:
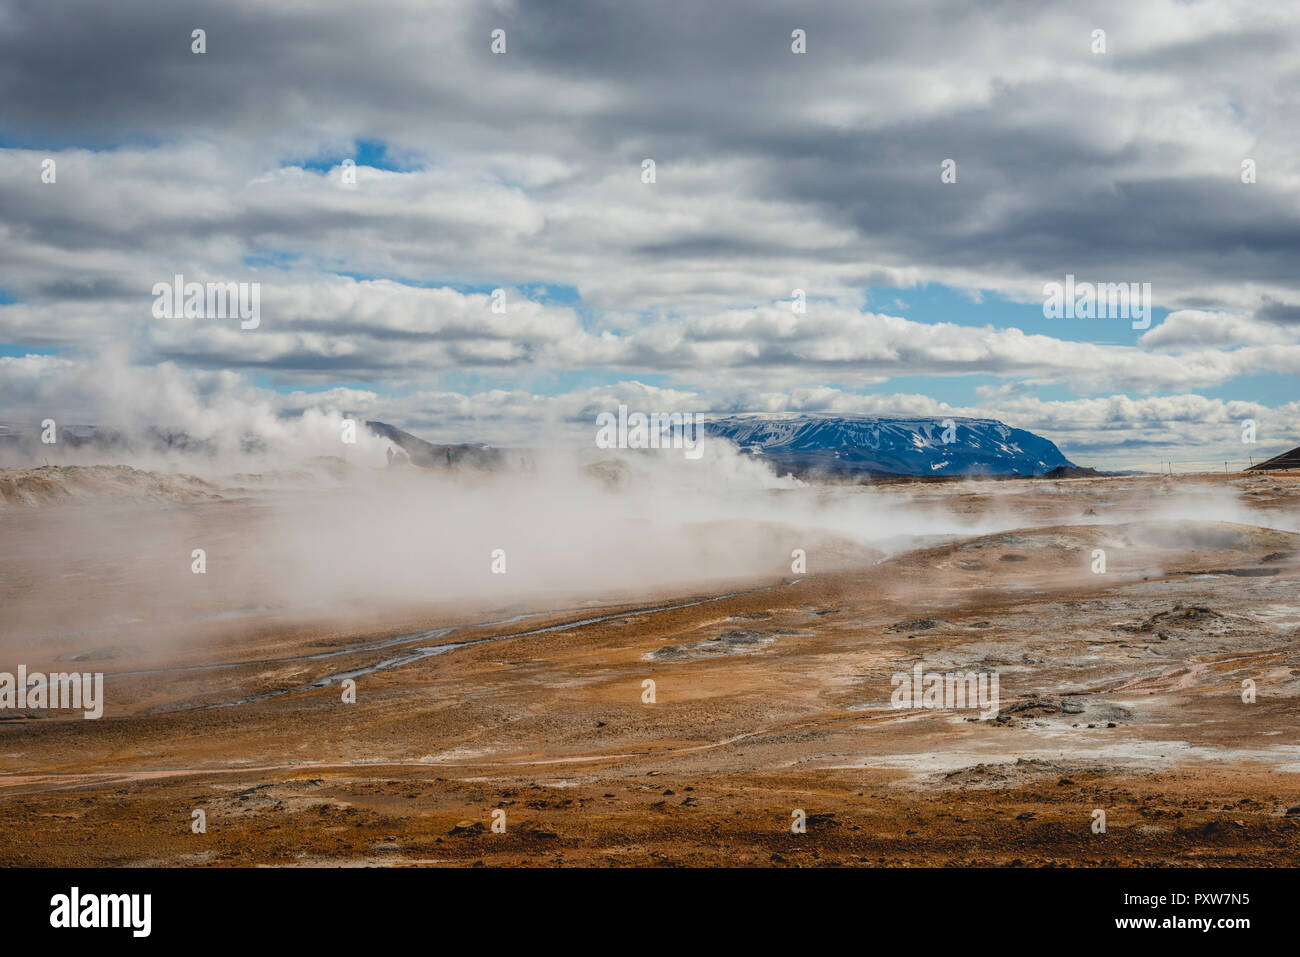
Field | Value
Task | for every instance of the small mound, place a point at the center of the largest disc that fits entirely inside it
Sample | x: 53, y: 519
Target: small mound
x: 1023, y: 771
x: 1178, y: 616
x: 70, y: 484
x: 735, y: 642
x: 918, y: 624
x: 1189, y: 621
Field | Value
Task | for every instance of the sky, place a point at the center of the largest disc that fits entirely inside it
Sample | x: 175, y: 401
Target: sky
x: 774, y: 171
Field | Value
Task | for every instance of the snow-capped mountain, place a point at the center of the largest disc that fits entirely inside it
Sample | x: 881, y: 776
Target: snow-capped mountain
x: 891, y: 446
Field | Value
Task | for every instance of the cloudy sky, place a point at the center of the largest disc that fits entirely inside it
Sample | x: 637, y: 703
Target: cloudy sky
x: 774, y: 171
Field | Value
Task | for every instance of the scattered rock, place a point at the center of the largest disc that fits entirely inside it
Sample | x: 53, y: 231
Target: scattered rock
x: 918, y: 624
x: 668, y: 651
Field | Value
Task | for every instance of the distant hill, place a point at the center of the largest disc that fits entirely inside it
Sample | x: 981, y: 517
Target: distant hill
x: 26, y: 438
x: 886, y: 446
x: 1287, y: 460
x: 430, y: 456
x: 1075, y: 471
x: 835, y: 447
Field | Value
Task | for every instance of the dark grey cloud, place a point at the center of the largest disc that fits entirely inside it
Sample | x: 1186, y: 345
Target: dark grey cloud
x: 1279, y: 313
x: 1046, y: 182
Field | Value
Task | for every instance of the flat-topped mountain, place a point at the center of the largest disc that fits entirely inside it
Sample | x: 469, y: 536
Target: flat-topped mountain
x: 880, y: 445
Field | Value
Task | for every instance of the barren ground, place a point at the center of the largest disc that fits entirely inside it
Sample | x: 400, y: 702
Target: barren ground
x: 1120, y: 692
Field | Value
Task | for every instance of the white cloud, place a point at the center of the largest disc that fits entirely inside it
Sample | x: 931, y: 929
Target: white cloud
x: 774, y: 172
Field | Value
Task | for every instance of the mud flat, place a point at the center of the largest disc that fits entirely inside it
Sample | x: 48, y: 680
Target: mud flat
x: 1123, y: 692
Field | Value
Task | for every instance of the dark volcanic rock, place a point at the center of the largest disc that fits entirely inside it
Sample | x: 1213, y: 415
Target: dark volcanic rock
x: 918, y: 624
